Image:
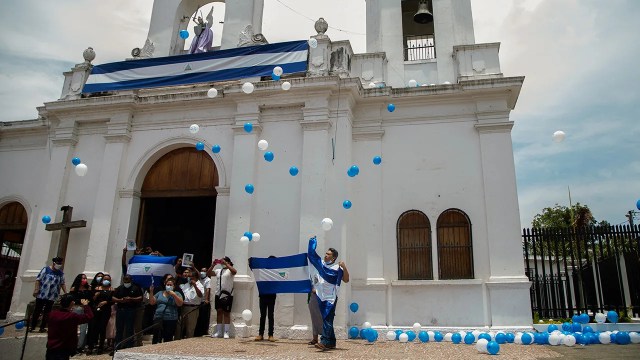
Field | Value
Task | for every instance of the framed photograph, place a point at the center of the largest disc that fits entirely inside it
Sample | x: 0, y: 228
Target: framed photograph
x: 187, y: 260
x: 131, y: 244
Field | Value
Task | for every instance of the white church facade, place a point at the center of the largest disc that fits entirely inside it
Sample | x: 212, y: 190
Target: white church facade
x: 433, y: 232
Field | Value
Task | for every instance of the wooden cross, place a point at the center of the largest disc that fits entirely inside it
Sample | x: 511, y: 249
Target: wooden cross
x: 65, y: 226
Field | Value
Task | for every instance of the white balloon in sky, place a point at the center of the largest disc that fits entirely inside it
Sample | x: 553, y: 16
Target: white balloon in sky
x: 244, y: 239
x: 212, y: 93
x: 194, y: 128
x: 559, y: 136
x: 247, y: 88
x: 286, y: 85
x: 81, y: 169
x: 327, y: 224
x: 277, y: 71
x: 263, y: 145
x: 255, y: 237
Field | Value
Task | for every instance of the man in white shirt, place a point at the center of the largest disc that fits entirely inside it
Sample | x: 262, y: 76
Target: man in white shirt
x: 193, y: 295
x: 224, y: 294
x: 202, y: 326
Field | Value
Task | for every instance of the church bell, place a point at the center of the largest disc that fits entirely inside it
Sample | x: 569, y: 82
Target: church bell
x: 423, y: 16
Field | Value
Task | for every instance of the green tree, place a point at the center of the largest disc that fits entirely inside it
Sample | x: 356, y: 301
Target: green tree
x: 560, y: 216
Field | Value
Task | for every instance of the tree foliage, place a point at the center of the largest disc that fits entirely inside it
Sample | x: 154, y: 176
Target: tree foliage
x: 560, y: 216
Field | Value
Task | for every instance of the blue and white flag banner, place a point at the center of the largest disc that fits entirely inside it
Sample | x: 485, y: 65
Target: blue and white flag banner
x: 148, y: 269
x: 221, y: 65
x: 287, y: 274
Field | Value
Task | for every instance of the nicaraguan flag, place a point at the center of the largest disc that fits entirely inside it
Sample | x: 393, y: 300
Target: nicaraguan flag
x: 145, y: 269
x: 230, y: 64
x: 288, y: 274
x: 328, y: 279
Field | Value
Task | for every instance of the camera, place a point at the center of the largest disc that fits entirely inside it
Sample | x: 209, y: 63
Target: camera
x: 217, y: 261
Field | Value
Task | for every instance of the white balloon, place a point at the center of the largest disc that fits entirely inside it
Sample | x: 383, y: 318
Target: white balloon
x: 366, y: 325
x: 559, y: 136
x: 194, y: 128
x: 277, y: 71
x: 327, y: 224
x: 247, y: 315
x: 462, y: 334
x: 248, y: 88
x: 213, y: 92
x: 372, y: 85
x: 481, y: 345
x: 635, y: 337
x: 255, y: 237
x: 569, y: 340
x: 81, y: 169
x: 431, y: 334
x: 286, y: 85
x: 244, y: 239
x: 447, y: 336
x: 417, y: 327
x: 600, y: 318
x: 554, y: 339
x: 391, y: 335
x: 404, y: 338
x: 493, y: 335
x: 518, y: 338
x: 263, y: 145
x: 413, y: 83
x: 604, y: 338
x: 476, y: 333
x: 432, y: 84
x: 446, y: 83
x: 313, y: 43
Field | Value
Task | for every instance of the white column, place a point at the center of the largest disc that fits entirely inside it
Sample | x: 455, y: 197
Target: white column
x: 237, y: 15
x: 105, y: 249
x: 220, y: 227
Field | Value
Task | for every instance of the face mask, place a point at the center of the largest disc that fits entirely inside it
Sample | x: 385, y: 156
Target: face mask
x: 203, y: 275
x: 99, y: 278
x: 57, y: 266
x: 169, y: 288
x: 127, y: 285
x: 106, y: 283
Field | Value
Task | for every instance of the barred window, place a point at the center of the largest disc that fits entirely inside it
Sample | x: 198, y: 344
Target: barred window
x: 455, y: 253
x: 414, y: 246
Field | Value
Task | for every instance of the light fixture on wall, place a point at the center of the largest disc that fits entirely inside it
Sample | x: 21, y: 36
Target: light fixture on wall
x: 423, y: 16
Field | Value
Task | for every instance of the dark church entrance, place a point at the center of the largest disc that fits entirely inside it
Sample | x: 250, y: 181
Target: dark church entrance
x: 13, y: 227
x: 177, y: 212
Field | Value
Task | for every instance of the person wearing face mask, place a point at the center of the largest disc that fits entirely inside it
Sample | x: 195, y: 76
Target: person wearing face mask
x: 224, y: 295
x: 81, y: 291
x: 102, y: 301
x: 166, y: 315
x: 193, y: 292
x: 47, y: 289
x: 97, y: 280
x: 128, y: 297
x: 202, y: 326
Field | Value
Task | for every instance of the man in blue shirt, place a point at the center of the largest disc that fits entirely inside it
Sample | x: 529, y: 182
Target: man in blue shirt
x: 46, y: 291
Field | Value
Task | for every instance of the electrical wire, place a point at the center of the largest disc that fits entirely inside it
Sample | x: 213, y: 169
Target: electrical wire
x: 310, y: 19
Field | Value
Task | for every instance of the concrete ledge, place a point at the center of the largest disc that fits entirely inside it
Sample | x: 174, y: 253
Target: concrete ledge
x: 11, y: 347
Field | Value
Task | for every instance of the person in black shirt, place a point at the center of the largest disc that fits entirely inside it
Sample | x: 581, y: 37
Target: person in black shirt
x: 81, y: 290
x: 102, y: 312
x: 128, y: 298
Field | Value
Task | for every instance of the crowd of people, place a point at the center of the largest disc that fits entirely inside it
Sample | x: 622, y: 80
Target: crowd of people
x: 94, y: 317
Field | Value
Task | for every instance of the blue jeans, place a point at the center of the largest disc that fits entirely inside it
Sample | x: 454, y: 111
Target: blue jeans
x: 328, y: 337
x: 124, y: 326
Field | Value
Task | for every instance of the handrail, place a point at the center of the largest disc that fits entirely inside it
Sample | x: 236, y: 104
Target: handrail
x: 116, y: 346
x: 26, y: 333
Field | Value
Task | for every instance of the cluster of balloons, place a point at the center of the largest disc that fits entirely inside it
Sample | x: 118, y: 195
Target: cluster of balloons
x: 248, y: 236
x: 366, y: 333
x: 194, y: 129
x: 80, y: 168
x: 585, y: 337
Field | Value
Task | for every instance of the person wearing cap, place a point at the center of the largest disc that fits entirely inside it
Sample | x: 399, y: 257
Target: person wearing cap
x: 224, y: 294
x: 47, y: 289
x: 62, y: 338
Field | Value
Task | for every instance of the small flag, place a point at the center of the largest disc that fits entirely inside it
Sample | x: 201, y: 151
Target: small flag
x: 143, y: 267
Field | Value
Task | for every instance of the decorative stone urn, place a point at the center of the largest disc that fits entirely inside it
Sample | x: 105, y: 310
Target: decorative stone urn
x: 89, y: 55
x: 321, y: 26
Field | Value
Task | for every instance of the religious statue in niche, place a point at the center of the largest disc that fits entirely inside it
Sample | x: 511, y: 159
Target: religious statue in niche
x: 204, y: 35
x: 248, y: 38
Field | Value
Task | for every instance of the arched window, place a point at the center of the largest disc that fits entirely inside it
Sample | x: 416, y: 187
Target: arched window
x: 414, y: 246
x: 455, y: 253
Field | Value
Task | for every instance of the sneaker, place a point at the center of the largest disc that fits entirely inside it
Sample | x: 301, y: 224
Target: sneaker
x: 215, y: 335
x: 226, y: 335
x: 272, y: 339
x: 259, y: 338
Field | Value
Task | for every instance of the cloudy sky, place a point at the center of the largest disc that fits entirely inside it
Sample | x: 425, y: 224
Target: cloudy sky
x: 579, y: 59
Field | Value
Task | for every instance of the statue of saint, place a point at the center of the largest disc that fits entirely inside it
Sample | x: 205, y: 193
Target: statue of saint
x: 204, y: 35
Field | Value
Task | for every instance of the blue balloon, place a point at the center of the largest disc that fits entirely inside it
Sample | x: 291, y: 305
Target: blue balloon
x: 566, y: 326
x: 76, y: 161
x: 215, y: 148
x: 544, y: 339
x: 363, y: 333
x: 184, y: 34
x: 511, y: 338
x: 346, y: 204
x: 587, y: 329
x: 582, y: 339
x: 612, y: 316
x: 613, y: 337
x: 575, y: 319
x: 372, y: 335
x: 248, y: 127
x: 199, y: 146
x: 268, y: 156
x: 354, y: 307
x: 424, y: 336
x: 469, y: 338
x: 46, y: 219
x: 575, y: 327
x: 593, y: 338
x: 398, y: 333
x: 484, y: 336
x: 456, y: 338
x: 249, y: 188
x: 275, y: 77
x: 623, y: 338
x: 355, y: 169
x: 377, y: 160
x: 438, y: 336
x: 411, y: 335
x: 293, y: 171
x: 584, y: 318
x: 353, y: 332
x: 1, y: 331
x: 248, y: 234
x: 526, y: 339
x: 391, y: 107
x: 501, y: 338
x: 19, y: 325
x: 493, y: 347
x: 638, y: 204
x: 551, y: 328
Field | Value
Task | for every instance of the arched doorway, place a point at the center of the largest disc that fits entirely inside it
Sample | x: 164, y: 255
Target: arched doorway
x: 178, y: 203
x: 13, y: 227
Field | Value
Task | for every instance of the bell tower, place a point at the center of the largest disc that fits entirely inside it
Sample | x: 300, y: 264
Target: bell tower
x: 423, y: 47
x: 168, y: 17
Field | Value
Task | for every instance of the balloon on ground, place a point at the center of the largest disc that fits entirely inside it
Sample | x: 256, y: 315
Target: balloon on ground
x: 247, y: 315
